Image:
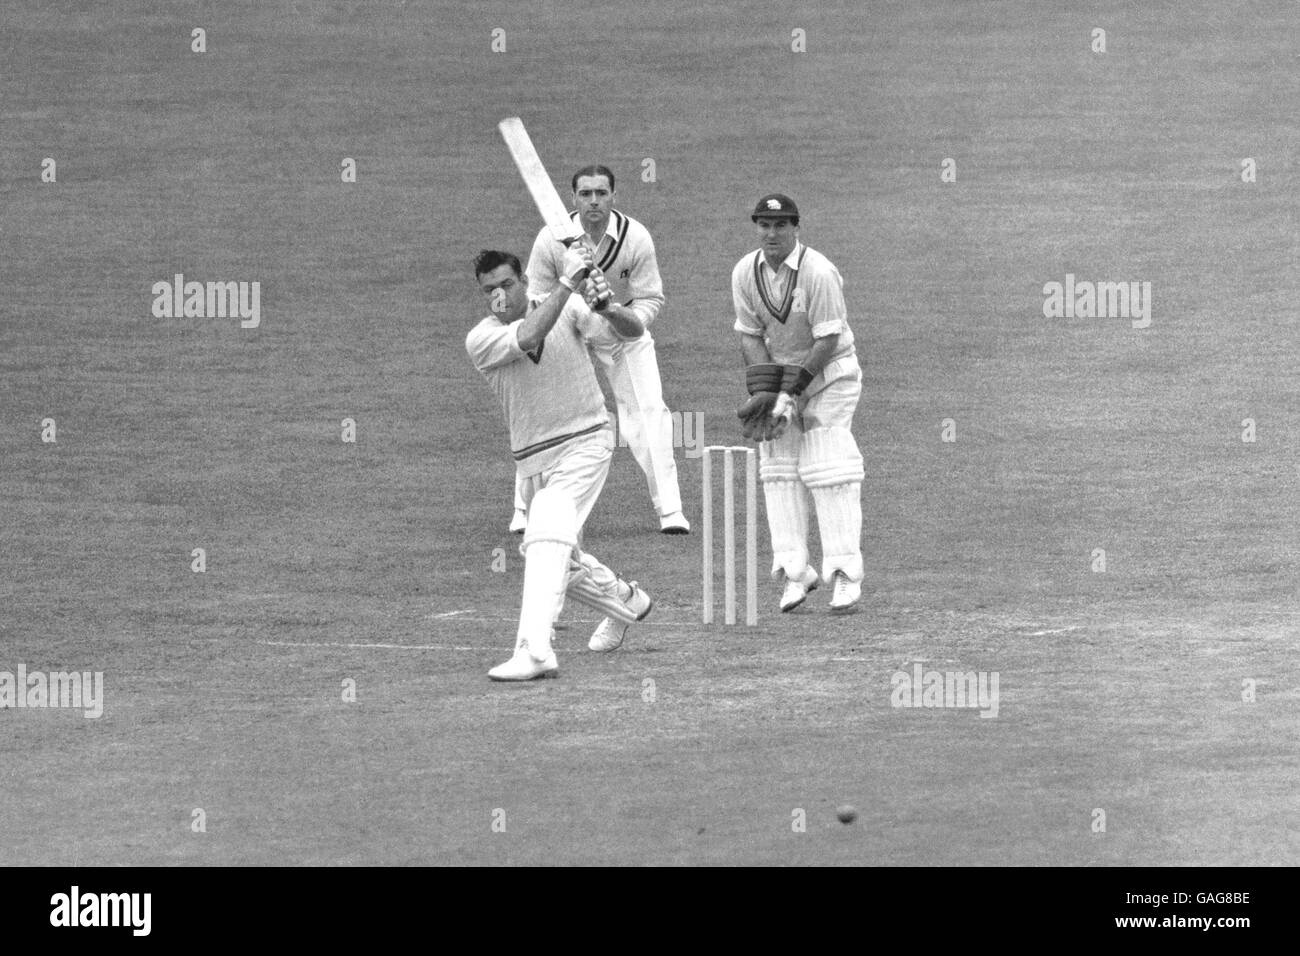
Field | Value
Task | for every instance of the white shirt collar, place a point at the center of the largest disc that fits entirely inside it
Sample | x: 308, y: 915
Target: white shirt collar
x: 792, y: 260
x: 609, y: 226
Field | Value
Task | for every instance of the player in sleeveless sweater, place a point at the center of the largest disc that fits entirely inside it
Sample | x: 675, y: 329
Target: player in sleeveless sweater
x: 534, y: 358
x: 802, y: 367
x: 625, y: 254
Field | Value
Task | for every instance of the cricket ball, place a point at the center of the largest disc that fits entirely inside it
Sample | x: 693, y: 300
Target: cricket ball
x: 846, y: 814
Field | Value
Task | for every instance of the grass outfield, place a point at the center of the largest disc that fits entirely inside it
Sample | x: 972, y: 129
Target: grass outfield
x: 372, y: 562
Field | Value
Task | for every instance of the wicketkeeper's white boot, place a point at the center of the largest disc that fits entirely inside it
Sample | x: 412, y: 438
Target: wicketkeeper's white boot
x: 797, y: 589
x: 846, y: 594
x: 608, y: 635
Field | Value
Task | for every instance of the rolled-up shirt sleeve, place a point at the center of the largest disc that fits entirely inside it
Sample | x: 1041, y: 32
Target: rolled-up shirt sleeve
x: 746, y: 318
x: 491, y: 344
x: 827, y: 314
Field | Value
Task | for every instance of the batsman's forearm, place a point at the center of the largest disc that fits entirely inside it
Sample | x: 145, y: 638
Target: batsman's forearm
x: 647, y: 308
x: 533, y: 330
x: 625, y: 321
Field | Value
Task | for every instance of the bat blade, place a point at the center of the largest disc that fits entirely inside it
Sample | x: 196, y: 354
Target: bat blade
x: 538, y: 182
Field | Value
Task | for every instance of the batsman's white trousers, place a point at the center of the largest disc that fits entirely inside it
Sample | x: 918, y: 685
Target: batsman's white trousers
x: 644, y: 421
x: 580, y: 471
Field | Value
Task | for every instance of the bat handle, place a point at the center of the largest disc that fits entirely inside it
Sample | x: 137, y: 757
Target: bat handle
x: 601, y: 303
x: 604, y: 300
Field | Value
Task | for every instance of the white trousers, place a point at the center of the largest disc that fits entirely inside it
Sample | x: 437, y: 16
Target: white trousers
x: 644, y: 421
x: 580, y: 472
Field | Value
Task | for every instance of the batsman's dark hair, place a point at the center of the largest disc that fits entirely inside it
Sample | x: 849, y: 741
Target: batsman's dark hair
x: 593, y: 171
x: 490, y: 259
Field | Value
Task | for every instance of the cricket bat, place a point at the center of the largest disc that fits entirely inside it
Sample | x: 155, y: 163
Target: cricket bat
x: 539, y: 184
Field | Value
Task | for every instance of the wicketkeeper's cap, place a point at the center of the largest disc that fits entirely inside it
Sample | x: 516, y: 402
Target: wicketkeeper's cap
x: 775, y: 206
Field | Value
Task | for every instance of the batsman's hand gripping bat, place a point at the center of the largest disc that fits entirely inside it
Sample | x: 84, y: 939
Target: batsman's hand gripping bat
x: 540, y: 186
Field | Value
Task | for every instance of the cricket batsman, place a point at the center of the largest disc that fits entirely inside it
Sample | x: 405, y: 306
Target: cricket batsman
x: 534, y: 357
x: 804, y: 382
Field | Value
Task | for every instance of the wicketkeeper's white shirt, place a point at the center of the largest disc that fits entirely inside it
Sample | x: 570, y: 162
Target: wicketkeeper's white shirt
x: 790, y: 311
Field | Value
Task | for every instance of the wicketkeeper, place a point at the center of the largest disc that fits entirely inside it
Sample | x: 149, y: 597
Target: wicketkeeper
x: 804, y: 381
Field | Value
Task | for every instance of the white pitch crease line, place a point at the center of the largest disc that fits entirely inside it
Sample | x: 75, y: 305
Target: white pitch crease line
x: 648, y: 623
x: 386, y: 647
x: 467, y: 610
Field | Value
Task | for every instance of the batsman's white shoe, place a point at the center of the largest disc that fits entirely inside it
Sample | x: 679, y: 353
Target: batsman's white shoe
x: 608, y: 635
x: 519, y: 523
x: 846, y: 593
x: 523, y: 666
x: 797, y: 589
x: 674, y: 523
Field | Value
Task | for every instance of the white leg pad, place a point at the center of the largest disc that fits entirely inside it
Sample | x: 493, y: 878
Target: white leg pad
x: 549, y: 541
x: 787, y: 505
x: 830, y: 465
x: 596, y: 586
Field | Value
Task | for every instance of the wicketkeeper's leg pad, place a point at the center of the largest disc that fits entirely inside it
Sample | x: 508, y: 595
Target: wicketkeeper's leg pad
x: 830, y: 465
x: 787, y: 504
x: 549, y: 542
x: 596, y: 586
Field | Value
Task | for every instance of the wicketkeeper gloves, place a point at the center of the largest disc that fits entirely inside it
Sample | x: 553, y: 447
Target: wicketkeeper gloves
x: 770, y: 407
x: 794, y: 379
x: 764, y: 384
x: 764, y: 378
